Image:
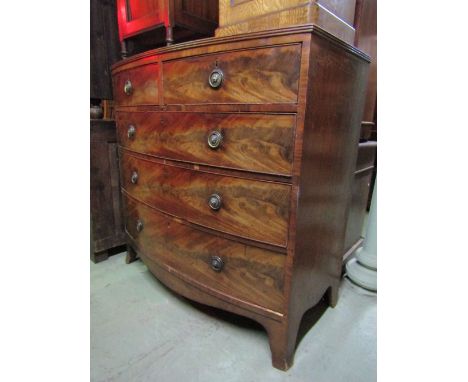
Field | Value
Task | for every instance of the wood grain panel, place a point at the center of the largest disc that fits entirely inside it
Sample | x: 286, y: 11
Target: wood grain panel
x: 145, y: 86
x: 232, y: 12
x: 253, y: 209
x: 251, y: 274
x: 264, y: 75
x: 254, y: 142
x: 335, y: 16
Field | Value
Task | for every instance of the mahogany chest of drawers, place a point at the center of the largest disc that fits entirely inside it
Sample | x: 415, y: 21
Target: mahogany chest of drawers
x: 237, y: 157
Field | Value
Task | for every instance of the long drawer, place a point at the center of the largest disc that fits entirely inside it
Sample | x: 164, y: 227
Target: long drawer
x: 253, y: 142
x: 253, y: 209
x: 266, y: 75
x: 214, y: 264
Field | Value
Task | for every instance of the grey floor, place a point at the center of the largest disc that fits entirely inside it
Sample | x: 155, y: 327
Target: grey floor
x: 141, y: 331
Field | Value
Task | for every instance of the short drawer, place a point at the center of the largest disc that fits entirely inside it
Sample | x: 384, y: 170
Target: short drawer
x: 253, y: 209
x: 266, y: 75
x: 253, y: 142
x: 138, y: 86
x: 222, y: 266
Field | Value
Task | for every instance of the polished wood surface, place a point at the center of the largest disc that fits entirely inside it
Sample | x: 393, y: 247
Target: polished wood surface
x: 250, y: 275
x: 266, y: 75
x: 184, y: 136
x: 301, y: 217
x: 236, y: 17
x: 145, y: 86
x: 184, y: 193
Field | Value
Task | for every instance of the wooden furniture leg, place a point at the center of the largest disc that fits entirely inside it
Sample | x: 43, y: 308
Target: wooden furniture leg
x: 282, y: 338
x: 169, y: 36
x: 99, y: 256
x: 124, y: 51
x: 131, y: 255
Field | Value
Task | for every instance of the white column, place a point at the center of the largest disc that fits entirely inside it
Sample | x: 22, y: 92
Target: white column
x: 362, y: 270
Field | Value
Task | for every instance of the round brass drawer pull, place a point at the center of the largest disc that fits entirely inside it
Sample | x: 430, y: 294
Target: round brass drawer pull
x: 214, y: 139
x: 131, y: 132
x: 216, y: 78
x: 139, y: 226
x: 128, y: 88
x: 214, y: 202
x: 216, y: 263
x: 134, y: 178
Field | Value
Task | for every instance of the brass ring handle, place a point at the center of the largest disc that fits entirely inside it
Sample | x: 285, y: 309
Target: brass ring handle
x: 216, y: 263
x: 131, y: 132
x: 216, y: 78
x: 128, y: 87
x: 214, y: 139
x: 215, y: 201
x: 134, y: 178
x: 139, y: 226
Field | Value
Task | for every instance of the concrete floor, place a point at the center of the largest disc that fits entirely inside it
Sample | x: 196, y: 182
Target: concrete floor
x: 141, y: 331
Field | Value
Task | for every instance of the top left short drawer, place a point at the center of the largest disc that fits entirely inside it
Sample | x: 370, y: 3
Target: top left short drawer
x: 137, y: 86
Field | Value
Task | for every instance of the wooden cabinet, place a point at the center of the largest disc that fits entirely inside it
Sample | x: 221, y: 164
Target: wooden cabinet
x: 107, y: 230
x: 359, y: 195
x: 150, y: 23
x: 242, y: 16
x: 104, y: 47
x: 237, y: 163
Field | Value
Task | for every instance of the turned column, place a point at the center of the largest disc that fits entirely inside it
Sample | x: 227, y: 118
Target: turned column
x: 362, y: 270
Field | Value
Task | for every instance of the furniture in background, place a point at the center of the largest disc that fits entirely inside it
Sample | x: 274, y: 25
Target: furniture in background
x: 146, y: 24
x: 237, y: 161
x: 107, y: 233
x: 366, y: 40
x: 242, y: 16
x: 105, y: 48
x: 107, y: 230
x: 359, y: 196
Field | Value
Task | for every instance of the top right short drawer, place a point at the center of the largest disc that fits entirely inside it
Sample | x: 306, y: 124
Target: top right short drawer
x: 253, y: 76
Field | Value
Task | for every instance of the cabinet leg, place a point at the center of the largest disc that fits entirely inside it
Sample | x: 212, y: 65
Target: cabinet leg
x: 99, y: 256
x: 131, y: 255
x: 332, y: 295
x: 282, y: 338
x: 123, y: 48
x: 169, y: 36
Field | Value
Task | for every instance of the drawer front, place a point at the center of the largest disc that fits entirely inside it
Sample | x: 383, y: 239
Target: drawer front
x: 254, y: 142
x: 244, y: 272
x: 137, y: 86
x: 252, y: 209
x: 266, y: 75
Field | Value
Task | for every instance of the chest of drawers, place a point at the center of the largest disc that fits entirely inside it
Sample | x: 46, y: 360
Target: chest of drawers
x: 237, y: 157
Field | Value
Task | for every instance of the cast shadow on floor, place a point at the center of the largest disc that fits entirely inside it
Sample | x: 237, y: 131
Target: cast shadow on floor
x: 309, y: 319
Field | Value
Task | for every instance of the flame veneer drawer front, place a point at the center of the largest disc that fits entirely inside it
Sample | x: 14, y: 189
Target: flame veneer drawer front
x: 221, y: 266
x: 253, y: 142
x: 267, y: 75
x: 137, y: 86
x: 254, y: 209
